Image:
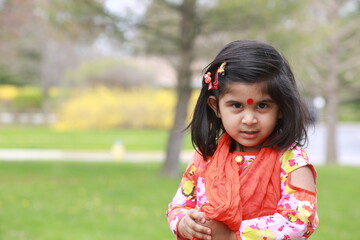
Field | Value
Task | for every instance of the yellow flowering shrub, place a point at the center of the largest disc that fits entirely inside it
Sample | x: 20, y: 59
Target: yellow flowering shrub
x: 104, y: 108
x: 8, y: 92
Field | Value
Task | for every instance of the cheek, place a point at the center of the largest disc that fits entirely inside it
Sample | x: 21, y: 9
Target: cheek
x: 270, y: 122
x: 229, y: 120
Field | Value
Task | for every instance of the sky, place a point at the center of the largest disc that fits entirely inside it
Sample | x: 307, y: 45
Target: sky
x: 119, y: 6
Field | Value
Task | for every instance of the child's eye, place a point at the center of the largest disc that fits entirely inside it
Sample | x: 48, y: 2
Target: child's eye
x: 237, y: 105
x: 262, y: 106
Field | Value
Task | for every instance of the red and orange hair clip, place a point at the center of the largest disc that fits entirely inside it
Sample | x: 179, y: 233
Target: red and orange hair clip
x: 221, y: 69
x: 208, y: 79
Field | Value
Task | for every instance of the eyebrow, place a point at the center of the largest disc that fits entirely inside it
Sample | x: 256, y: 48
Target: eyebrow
x: 267, y: 100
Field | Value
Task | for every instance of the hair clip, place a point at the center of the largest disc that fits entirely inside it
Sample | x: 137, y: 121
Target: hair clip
x: 221, y: 69
x: 208, y: 80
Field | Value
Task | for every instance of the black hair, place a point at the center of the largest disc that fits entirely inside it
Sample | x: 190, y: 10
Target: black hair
x: 251, y: 62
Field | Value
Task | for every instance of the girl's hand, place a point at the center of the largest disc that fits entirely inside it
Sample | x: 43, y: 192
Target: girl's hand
x: 192, y: 225
x: 219, y: 231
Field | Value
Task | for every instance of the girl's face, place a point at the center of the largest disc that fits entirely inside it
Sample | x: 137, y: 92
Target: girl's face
x: 248, y: 114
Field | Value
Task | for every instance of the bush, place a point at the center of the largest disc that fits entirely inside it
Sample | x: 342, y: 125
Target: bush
x: 8, y: 78
x: 28, y: 98
x: 105, y: 108
x: 8, y: 92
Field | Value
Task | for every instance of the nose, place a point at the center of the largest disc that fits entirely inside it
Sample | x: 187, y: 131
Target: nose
x: 249, y: 117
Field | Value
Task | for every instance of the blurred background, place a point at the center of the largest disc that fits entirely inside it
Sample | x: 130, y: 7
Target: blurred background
x: 104, y: 89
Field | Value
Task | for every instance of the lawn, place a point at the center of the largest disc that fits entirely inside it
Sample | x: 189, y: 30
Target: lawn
x: 83, y: 201
x: 43, y: 137
x: 88, y: 201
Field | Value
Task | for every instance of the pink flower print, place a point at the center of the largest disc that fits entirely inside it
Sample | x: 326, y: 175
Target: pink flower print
x: 200, y: 188
x: 269, y: 220
x: 190, y: 203
x: 255, y: 226
x: 292, y: 162
x: 287, y: 197
x: 299, y: 222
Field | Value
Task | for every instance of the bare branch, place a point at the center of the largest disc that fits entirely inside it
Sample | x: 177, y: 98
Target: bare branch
x: 350, y: 64
x: 315, y: 77
x: 348, y: 45
x: 170, y: 5
x: 345, y: 30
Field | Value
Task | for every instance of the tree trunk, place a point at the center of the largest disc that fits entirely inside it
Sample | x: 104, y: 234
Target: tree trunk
x: 171, y: 166
x: 332, y: 105
x: 187, y: 39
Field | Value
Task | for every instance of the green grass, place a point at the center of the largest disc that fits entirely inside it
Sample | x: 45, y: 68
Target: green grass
x: 338, y: 203
x: 42, y: 137
x: 96, y: 201
x: 83, y: 201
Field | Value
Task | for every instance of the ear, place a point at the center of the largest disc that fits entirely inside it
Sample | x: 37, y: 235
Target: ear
x: 280, y: 115
x: 212, y: 102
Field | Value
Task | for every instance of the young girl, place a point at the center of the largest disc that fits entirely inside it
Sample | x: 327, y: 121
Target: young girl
x: 249, y: 178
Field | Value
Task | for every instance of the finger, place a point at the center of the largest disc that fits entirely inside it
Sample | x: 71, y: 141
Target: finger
x: 190, y: 233
x: 184, y: 226
x: 202, y: 236
x: 208, y: 223
x: 188, y: 227
x: 202, y: 229
x: 198, y: 216
x: 199, y: 228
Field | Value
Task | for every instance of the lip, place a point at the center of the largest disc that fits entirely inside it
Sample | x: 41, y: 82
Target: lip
x: 249, y: 134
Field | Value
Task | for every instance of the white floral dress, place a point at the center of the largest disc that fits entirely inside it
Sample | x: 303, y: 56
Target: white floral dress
x: 295, y: 218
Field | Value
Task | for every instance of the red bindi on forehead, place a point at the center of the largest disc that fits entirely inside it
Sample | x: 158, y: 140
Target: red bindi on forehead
x: 250, y: 101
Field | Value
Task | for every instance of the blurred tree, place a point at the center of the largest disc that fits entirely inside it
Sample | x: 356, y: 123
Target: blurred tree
x: 112, y: 72
x: 8, y: 78
x: 65, y: 25
x: 188, y: 29
x: 332, y: 53
x: 82, y: 20
x: 43, y: 39
x: 20, y: 56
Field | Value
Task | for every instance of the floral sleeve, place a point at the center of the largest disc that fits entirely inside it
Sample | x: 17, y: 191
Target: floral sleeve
x: 296, y: 216
x: 185, y: 197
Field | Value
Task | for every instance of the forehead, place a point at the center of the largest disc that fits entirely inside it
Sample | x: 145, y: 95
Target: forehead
x: 241, y: 90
